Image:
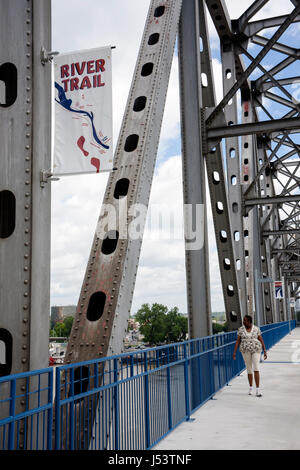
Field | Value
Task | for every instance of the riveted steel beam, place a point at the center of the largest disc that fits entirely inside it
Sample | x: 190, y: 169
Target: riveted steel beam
x: 250, y: 12
x: 228, y: 262
x: 260, y: 127
x: 25, y: 27
x: 111, y: 272
x: 197, y: 262
x: 271, y: 233
x: 271, y: 200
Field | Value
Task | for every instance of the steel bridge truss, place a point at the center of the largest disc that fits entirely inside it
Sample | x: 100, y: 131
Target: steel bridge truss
x: 245, y: 148
x: 247, y: 144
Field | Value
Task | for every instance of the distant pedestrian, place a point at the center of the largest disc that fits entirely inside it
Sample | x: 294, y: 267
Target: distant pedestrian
x: 251, y: 344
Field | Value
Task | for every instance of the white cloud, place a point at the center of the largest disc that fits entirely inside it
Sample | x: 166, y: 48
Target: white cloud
x: 161, y: 274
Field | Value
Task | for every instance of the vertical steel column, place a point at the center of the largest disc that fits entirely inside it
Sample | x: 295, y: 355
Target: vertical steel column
x: 197, y: 262
x: 233, y: 171
x: 266, y: 189
x: 247, y: 176
x: 25, y: 133
x: 217, y: 187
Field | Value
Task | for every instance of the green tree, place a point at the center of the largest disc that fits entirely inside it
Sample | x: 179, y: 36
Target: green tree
x: 219, y: 328
x: 176, y: 326
x: 157, y: 325
x: 62, y: 329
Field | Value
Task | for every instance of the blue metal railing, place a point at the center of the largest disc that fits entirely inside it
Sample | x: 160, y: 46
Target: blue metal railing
x: 26, y: 408
x: 129, y: 401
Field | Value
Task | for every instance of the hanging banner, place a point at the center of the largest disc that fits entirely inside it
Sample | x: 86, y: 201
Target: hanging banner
x: 278, y: 286
x: 83, y: 112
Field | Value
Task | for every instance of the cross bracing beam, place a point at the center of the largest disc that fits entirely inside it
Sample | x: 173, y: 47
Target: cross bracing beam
x: 255, y: 27
x: 286, y: 251
x: 270, y: 233
x: 283, y: 26
x: 278, y: 47
x: 261, y: 127
x: 250, y: 12
x: 272, y: 200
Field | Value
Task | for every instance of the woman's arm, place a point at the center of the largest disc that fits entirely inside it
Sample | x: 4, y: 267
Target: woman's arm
x: 236, y: 346
x: 263, y: 345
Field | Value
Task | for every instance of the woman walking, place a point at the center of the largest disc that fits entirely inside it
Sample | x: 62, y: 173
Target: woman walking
x: 251, y: 343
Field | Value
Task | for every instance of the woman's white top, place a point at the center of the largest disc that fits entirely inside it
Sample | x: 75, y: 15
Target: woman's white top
x: 249, y: 339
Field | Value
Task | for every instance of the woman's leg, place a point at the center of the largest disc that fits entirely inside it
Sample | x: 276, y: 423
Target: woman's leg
x: 256, y: 360
x: 248, y: 362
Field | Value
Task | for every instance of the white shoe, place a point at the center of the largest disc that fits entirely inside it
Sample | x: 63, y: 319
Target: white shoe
x: 258, y: 392
x: 250, y: 391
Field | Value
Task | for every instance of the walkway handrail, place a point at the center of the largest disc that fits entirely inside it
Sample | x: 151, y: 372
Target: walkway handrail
x: 128, y: 401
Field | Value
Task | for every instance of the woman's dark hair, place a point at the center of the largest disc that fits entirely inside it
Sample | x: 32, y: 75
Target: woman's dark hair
x: 249, y: 318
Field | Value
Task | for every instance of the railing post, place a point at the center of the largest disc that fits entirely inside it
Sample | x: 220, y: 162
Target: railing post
x: 219, y: 375
x: 57, y: 408
x: 71, y: 405
x: 116, y: 404
x: 186, y: 384
x: 146, y: 393
x: 199, y: 370
x: 50, y: 411
x: 12, y: 410
x: 211, y: 367
x: 169, y: 393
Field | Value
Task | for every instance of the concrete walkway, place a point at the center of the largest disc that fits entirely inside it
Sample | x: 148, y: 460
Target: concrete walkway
x: 234, y: 420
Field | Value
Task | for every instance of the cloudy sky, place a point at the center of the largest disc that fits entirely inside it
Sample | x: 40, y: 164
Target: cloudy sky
x: 76, y: 200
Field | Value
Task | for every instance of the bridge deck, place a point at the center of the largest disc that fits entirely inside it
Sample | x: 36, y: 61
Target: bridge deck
x: 235, y: 420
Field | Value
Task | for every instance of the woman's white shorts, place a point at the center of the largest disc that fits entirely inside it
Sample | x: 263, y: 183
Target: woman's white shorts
x: 251, y: 359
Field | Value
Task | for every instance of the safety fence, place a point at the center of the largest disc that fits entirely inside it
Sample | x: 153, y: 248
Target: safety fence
x: 124, y: 402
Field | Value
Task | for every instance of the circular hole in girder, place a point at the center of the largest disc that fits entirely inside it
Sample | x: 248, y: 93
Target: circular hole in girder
x: 110, y: 242
x: 223, y: 236
x: 147, y: 69
x: 131, y: 143
x: 230, y: 290
x: 233, y: 316
x: 153, y: 39
x: 121, y: 188
x: 96, y: 306
x: 227, y: 264
x: 139, y: 103
x: 7, y: 213
x: 219, y: 207
x: 159, y: 11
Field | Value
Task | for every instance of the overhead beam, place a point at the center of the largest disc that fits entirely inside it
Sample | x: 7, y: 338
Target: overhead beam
x: 270, y: 233
x: 279, y: 251
x: 271, y: 200
x: 250, y: 12
x: 260, y: 127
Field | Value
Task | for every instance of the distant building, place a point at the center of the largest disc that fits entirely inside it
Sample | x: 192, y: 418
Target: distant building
x: 59, y: 313
x: 218, y: 317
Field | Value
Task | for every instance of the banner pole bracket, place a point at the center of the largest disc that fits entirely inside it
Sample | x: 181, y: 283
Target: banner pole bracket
x: 47, y: 56
x: 45, y: 176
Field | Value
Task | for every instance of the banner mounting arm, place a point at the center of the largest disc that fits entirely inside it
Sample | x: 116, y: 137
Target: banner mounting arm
x: 47, y: 56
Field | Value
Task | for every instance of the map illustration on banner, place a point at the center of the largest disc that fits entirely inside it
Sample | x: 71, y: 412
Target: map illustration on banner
x: 83, y: 112
x: 278, y: 286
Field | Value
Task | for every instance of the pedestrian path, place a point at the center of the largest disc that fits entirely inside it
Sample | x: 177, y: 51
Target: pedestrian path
x: 234, y: 420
